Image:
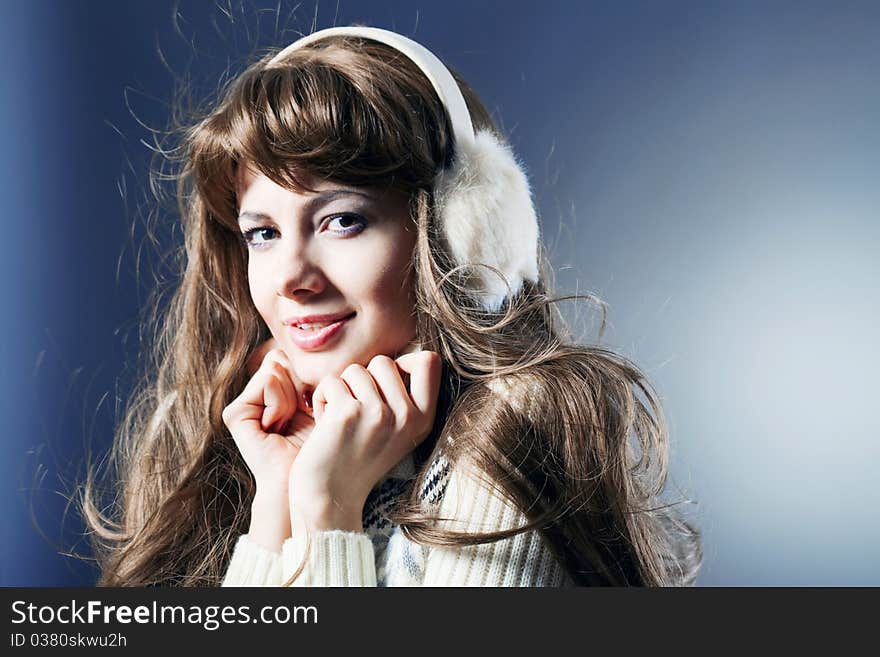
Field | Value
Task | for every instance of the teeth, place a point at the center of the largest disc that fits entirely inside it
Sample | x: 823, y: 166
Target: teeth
x: 318, y: 325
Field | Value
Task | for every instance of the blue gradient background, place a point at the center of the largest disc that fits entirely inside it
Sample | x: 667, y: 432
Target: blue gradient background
x: 708, y: 169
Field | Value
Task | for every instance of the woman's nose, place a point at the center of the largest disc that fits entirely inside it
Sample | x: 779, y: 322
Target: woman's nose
x: 298, y: 273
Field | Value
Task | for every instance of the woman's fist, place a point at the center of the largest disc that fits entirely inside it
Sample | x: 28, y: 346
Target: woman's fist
x: 262, y: 421
x: 367, y: 419
x: 269, y: 429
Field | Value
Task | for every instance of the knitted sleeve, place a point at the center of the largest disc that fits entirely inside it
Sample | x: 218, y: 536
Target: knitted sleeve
x: 333, y: 558
x: 469, y: 504
x: 330, y: 558
x: 253, y: 565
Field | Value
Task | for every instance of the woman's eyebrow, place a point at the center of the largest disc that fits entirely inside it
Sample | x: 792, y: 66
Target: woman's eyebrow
x: 314, y: 201
x: 253, y: 216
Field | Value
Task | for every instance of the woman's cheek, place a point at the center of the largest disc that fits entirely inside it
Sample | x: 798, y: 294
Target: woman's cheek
x: 261, y: 296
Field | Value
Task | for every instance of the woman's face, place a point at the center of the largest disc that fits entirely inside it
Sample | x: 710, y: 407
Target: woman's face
x: 329, y: 272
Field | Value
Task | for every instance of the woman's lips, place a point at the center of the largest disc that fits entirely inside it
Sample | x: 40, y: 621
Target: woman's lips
x: 313, y: 340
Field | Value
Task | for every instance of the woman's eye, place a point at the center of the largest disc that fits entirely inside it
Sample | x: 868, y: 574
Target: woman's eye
x: 346, y: 224
x: 256, y: 237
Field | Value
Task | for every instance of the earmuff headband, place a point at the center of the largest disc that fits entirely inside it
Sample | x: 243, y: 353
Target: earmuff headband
x: 445, y: 85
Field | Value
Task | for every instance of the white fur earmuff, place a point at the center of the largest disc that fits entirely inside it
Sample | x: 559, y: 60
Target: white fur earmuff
x: 488, y: 218
x: 483, y: 200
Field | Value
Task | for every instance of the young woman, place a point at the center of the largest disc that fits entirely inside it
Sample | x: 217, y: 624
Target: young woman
x: 363, y: 379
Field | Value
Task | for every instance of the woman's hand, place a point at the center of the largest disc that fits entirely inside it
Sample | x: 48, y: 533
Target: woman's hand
x: 366, y: 422
x: 269, y: 429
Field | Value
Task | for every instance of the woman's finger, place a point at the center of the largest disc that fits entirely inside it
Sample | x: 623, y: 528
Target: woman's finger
x: 331, y: 390
x: 284, y: 373
x: 297, y: 390
x: 250, y: 401
x: 361, y: 384
x: 387, y: 376
x: 425, y: 369
x: 251, y: 404
x: 277, y: 404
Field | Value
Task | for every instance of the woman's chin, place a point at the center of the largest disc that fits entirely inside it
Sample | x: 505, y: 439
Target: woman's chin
x: 310, y: 374
x: 311, y: 368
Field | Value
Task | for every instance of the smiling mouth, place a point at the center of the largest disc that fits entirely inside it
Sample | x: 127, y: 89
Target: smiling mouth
x: 312, y: 336
x: 314, y: 326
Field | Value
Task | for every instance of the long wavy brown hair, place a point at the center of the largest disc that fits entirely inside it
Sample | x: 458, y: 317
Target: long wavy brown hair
x: 579, y: 443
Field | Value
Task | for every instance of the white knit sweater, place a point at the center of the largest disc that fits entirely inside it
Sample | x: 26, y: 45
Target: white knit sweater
x: 382, y: 555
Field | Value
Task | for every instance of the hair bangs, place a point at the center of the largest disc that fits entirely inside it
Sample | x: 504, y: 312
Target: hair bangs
x: 306, y: 119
